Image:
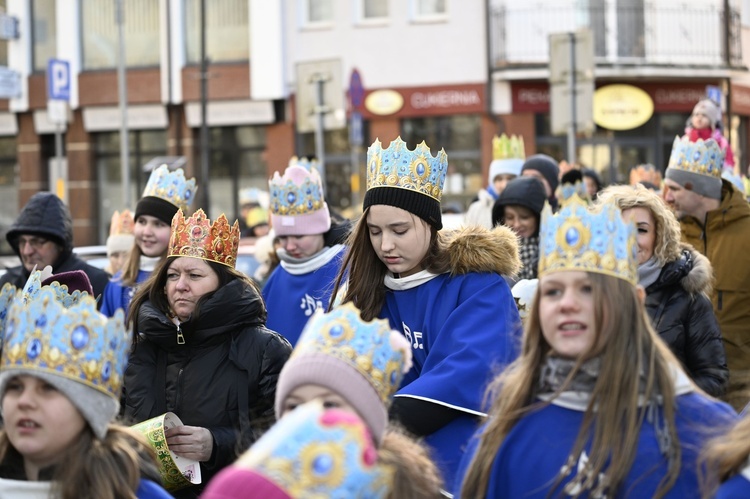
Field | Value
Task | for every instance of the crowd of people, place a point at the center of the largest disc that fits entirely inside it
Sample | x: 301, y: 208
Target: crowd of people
x: 571, y: 339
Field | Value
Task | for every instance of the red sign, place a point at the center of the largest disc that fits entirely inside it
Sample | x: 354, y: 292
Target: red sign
x: 740, y: 100
x: 439, y: 100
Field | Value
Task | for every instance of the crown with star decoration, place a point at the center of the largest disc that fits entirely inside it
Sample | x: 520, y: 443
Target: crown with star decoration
x: 577, y: 238
x: 197, y: 237
x: 76, y: 342
x: 171, y: 186
x: 699, y: 157
x: 504, y: 147
x: 313, y: 453
x: 372, y: 348
x: 398, y: 167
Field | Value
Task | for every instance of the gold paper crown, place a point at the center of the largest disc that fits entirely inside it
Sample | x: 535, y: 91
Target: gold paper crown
x: 508, y: 148
x: 122, y: 223
x: 579, y: 239
x: 197, y: 237
x: 700, y: 157
x: 399, y: 167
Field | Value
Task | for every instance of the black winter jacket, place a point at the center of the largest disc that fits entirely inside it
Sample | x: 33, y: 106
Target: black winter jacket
x: 45, y: 215
x: 682, y: 314
x: 223, y: 378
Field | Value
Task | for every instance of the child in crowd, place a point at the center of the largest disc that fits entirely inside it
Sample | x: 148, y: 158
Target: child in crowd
x: 447, y: 297
x: 60, y: 377
x: 165, y: 193
x: 704, y: 124
x: 596, y: 405
x: 120, y: 241
x: 348, y: 363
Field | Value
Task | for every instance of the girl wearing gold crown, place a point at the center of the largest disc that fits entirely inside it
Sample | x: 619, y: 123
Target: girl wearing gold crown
x: 201, y: 349
x: 60, y: 378
x: 596, y: 405
x: 165, y: 193
x: 310, y: 252
x: 447, y: 296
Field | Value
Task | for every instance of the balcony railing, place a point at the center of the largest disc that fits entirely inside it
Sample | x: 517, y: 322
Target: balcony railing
x: 637, y: 33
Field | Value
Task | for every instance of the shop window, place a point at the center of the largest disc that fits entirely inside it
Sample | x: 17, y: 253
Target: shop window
x: 8, y: 190
x: 44, y: 32
x: 143, y: 145
x: 100, y: 40
x: 227, y: 33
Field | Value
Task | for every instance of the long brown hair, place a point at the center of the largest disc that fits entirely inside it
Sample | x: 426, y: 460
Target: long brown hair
x: 154, y: 290
x: 629, y: 350
x: 724, y: 456
x: 364, y: 272
x: 100, y: 469
x: 415, y: 474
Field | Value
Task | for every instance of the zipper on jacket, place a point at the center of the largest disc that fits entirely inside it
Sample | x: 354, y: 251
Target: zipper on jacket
x: 180, y: 336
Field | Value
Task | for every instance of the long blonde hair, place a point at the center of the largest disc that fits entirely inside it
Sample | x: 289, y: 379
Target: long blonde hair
x: 364, y: 271
x: 725, y: 456
x: 415, y: 474
x: 631, y: 350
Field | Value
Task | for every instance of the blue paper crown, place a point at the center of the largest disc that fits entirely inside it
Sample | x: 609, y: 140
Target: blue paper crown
x: 568, y: 190
x: 316, y: 453
x: 171, y: 186
x: 298, y: 192
x: 700, y: 157
x: 34, y: 285
x: 399, y: 167
x: 365, y: 346
x: 579, y: 239
x: 78, y: 342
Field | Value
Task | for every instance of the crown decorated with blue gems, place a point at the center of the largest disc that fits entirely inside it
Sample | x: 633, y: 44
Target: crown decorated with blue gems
x: 577, y: 238
x: 78, y: 342
x: 701, y: 157
x: 171, y: 186
x: 315, y: 453
x: 397, y: 166
x: 380, y: 354
x: 62, y: 293
x: 568, y: 190
x: 298, y: 192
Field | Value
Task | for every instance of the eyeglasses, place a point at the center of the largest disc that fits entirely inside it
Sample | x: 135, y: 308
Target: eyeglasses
x: 35, y: 242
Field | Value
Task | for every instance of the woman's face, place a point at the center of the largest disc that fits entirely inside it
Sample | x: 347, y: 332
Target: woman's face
x: 400, y: 239
x: 645, y: 227
x: 302, y: 246
x: 566, y: 313
x: 41, y: 422
x: 521, y: 220
x: 151, y: 235
x: 188, y: 279
x: 305, y: 393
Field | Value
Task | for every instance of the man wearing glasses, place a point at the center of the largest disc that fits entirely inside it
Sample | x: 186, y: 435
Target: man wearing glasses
x: 43, y: 235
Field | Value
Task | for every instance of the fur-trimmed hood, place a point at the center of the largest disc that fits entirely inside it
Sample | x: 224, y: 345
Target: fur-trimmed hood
x: 476, y: 249
x: 692, y: 270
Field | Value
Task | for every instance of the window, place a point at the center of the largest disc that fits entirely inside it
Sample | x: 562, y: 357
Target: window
x: 44, y: 32
x: 316, y: 12
x: 227, y: 33
x: 429, y: 9
x: 140, y: 30
x: 143, y: 145
x: 373, y: 9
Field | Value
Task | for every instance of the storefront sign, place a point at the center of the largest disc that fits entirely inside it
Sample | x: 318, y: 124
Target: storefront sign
x: 740, y: 100
x: 622, y: 107
x: 384, y: 102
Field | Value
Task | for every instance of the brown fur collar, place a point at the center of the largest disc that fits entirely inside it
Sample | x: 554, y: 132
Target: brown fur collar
x: 476, y: 249
x: 700, y: 279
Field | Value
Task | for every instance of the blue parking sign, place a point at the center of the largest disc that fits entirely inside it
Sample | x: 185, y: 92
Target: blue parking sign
x: 58, y: 80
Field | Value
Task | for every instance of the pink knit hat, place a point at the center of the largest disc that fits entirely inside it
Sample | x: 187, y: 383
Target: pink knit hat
x: 297, y: 204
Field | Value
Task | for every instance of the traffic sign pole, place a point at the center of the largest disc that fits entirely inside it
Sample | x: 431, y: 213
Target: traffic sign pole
x: 58, y: 92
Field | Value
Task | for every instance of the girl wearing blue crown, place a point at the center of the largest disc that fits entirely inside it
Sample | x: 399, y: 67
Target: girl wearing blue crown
x: 310, y: 253
x: 201, y: 349
x: 596, y: 405
x: 446, y: 295
x: 60, y: 379
x: 165, y: 193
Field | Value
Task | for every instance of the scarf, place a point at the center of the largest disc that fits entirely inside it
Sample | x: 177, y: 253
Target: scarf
x: 491, y: 191
x: 302, y: 266
x: 149, y: 263
x: 529, y: 253
x: 648, y: 272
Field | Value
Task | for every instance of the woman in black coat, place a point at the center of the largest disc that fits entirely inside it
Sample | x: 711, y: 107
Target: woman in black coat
x: 677, y: 280
x: 201, y: 349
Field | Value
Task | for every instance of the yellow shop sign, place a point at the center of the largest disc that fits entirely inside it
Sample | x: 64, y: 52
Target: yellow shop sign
x: 622, y: 107
x: 384, y: 102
